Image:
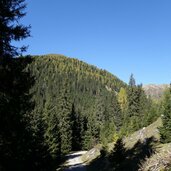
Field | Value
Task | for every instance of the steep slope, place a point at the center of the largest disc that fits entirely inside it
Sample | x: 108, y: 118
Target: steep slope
x: 54, y: 105
x: 138, y: 152
x: 130, y: 141
x: 73, y: 101
x: 161, y: 160
x: 63, y: 65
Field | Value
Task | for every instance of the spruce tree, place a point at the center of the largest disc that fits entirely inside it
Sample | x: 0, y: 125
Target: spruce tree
x: 165, y: 131
x: 88, y: 142
x: 75, y: 121
x: 10, y: 29
x: 15, y: 133
x: 51, y: 130
x: 134, y: 93
x: 132, y: 82
x: 117, y: 155
x: 64, y: 107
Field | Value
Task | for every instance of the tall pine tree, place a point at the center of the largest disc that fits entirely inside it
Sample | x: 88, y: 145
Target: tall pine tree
x: 165, y: 131
x: 10, y: 29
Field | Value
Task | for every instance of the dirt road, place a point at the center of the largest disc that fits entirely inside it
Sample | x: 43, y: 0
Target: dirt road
x: 74, y: 162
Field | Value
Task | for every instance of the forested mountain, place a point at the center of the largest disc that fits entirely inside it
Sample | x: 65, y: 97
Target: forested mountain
x: 51, y: 105
x: 78, y: 105
x: 75, y: 98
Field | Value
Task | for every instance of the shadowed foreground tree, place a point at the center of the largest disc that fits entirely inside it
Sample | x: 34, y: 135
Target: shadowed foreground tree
x: 10, y: 28
x: 118, y: 154
x: 20, y: 149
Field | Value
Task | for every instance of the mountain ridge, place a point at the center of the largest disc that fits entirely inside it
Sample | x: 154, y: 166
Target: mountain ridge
x: 155, y: 90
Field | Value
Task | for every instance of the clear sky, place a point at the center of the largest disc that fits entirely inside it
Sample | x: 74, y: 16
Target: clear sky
x: 121, y: 36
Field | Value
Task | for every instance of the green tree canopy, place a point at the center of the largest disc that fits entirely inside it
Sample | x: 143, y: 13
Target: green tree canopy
x: 165, y: 131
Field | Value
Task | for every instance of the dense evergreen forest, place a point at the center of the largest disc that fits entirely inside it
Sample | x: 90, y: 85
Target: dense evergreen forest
x: 78, y: 105
x: 56, y: 104
x: 51, y: 105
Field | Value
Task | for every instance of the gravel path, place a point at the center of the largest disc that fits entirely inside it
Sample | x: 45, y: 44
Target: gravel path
x: 75, y: 163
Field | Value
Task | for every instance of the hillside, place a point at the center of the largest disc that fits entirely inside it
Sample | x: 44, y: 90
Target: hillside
x: 51, y: 105
x: 83, y: 95
x: 54, y: 105
x: 129, y: 141
x: 155, y: 90
x: 142, y: 152
x: 64, y: 65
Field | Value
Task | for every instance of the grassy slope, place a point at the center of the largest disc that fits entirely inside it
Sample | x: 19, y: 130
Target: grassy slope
x: 146, y: 132
x: 129, y: 142
x: 160, y: 160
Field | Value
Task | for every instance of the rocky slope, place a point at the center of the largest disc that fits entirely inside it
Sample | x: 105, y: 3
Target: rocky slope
x: 158, y: 158
x: 154, y: 90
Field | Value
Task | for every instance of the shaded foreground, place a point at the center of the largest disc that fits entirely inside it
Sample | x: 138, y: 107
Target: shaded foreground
x: 122, y: 158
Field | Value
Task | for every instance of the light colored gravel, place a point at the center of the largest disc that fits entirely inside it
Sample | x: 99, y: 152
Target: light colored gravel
x: 74, y: 162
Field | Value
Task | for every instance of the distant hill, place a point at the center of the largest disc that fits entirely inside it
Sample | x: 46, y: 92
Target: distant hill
x: 155, y: 90
x: 73, y: 99
x: 61, y: 64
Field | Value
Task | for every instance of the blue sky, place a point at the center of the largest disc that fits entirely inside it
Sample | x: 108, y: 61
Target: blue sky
x: 121, y: 36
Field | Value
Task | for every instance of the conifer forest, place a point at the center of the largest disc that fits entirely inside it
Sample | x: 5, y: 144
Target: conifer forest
x: 53, y: 105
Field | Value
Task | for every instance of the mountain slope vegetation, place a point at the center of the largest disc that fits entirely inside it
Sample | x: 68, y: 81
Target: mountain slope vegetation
x: 78, y: 105
x: 139, y: 151
x: 54, y: 105
x: 72, y: 93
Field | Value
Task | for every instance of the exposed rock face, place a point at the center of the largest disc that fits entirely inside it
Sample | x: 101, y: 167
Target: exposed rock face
x: 154, y: 90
